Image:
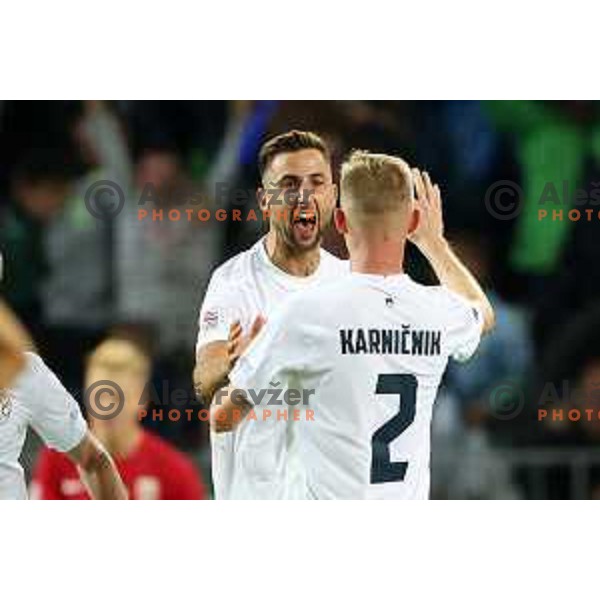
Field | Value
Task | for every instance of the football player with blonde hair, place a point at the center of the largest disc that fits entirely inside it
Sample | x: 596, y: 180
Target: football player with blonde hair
x: 373, y: 345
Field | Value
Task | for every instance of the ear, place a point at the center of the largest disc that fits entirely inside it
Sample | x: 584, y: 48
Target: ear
x: 340, y: 220
x: 413, y: 222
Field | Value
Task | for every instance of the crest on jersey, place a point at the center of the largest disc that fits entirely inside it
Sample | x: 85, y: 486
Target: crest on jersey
x: 6, y: 405
x: 210, y: 319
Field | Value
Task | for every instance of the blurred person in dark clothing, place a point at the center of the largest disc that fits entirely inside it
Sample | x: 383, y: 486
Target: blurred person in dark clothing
x: 505, y: 355
x: 40, y: 186
x: 163, y: 265
x: 76, y: 291
x: 194, y: 127
x: 577, y: 282
x: 554, y: 142
x: 27, y: 126
x: 466, y: 434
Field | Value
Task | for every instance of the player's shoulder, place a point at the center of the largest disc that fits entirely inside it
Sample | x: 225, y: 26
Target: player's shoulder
x: 440, y: 301
x: 348, y: 287
x: 237, y: 269
x: 35, y: 362
x: 33, y: 380
x: 443, y: 296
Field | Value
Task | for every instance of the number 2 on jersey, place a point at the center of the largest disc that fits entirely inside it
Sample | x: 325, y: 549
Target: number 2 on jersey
x: 383, y: 470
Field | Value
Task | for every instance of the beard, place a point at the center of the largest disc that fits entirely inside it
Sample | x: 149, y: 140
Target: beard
x: 300, y: 235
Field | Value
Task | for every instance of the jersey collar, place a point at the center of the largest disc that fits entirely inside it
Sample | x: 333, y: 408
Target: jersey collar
x: 280, y: 273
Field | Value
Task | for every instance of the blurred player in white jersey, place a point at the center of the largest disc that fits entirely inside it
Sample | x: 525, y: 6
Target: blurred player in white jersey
x: 31, y: 395
x: 373, y: 345
x: 298, y: 190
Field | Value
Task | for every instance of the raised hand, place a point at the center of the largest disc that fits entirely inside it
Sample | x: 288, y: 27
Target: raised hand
x: 430, y: 229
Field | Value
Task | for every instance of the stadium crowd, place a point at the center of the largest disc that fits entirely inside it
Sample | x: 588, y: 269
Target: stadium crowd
x: 74, y: 276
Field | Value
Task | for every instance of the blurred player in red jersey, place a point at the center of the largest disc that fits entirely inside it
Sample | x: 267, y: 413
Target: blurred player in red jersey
x: 151, y: 468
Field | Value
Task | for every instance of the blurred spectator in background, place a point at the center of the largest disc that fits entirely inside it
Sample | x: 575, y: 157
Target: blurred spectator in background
x: 576, y: 282
x: 79, y: 294
x: 59, y: 256
x: 458, y: 141
x: 465, y: 464
x: 569, y: 379
x: 40, y: 186
x: 164, y: 264
x: 195, y: 127
x: 464, y: 422
x: 505, y: 355
x: 556, y: 144
x: 151, y: 468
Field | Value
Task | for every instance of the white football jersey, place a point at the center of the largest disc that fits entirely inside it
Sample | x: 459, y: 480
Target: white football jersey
x: 246, y: 286
x: 40, y: 401
x: 374, y: 350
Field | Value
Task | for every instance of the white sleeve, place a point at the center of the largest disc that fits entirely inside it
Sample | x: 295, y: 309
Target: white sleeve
x: 54, y: 414
x: 279, y: 350
x: 217, y: 313
x: 465, y: 324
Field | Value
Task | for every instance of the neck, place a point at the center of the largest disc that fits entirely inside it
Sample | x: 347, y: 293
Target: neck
x: 119, y: 439
x: 376, y: 257
x: 299, y: 264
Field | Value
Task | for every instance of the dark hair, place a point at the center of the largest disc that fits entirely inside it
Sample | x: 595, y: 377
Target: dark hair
x: 291, y: 141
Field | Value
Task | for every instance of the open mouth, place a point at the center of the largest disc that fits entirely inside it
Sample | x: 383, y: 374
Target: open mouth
x: 304, y: 222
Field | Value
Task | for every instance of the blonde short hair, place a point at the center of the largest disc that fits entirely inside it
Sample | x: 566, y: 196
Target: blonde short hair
x: 120, y: 356
x: 373, y: 184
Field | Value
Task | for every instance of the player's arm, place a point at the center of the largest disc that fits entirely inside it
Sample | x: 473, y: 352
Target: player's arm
x: 230, y: 405
x: 11, y: 364
x: 97, y: 470
x: 212, y: 368
x: 215, y: 360
x: 13, y: 343
x: 260, y: 360
x: 217, y: 312
x: 429, y: 238
x: 228, y: 409
x: 57, y: 419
